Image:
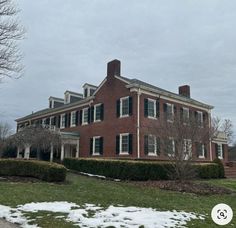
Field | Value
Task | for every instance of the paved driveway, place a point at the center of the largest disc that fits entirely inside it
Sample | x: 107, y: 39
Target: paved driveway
x: 6, y: 224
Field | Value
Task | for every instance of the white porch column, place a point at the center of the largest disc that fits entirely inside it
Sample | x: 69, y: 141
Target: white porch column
x: 18, y: 152
x: 62, y: 151
x: 51, y: 153
x: 27, y: 152
x: 77, y: 149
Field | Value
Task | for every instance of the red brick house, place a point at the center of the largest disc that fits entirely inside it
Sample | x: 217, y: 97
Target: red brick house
x: 108, y: 120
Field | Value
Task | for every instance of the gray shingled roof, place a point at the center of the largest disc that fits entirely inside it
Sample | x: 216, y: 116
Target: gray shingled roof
x: 132, y: 82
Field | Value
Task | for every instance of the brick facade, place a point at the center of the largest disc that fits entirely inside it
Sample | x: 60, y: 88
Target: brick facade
x: 111, y: 89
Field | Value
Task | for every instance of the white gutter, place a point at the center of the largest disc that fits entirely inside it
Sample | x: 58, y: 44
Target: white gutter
x: 209, y: 119
x: 138, y: 123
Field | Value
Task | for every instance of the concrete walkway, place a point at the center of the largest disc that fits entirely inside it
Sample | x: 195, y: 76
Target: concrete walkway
x: 5, y: 224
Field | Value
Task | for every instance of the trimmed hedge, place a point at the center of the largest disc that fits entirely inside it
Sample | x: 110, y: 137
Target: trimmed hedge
x: 46, y: 171
x: 135, y: 170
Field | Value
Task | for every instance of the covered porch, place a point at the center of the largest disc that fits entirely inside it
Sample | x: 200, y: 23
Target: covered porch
x: 69, y: 148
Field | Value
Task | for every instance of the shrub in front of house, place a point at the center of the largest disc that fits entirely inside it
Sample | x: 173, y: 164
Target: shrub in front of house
x: 134, y: 170
x: 45, y: 171
x: 221, y: 167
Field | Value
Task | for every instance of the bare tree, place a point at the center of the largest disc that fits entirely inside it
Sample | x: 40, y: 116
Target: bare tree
x: 37, y: 137
x: 5, y: 131
x: 10, y: 33
x: 177, y: 135
x: 218, y: 125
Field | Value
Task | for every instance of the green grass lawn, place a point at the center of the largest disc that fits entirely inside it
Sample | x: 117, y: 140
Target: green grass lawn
x: 81, y: 190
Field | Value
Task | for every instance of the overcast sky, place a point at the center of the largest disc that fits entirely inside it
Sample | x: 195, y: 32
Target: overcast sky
x: 165, y: 43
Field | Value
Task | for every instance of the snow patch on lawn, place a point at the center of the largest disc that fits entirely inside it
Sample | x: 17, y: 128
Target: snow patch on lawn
x: 90, y: 215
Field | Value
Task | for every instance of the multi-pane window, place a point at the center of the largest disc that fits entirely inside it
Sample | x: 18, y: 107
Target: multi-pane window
x: 201, y: 150
x: 97, y: 112
x: 151, y: 108
x: 152, y: 146
x: 51, y: 122
x: 220, y: 151
x: 85, y: 116
x: 44, y: 121
x: 187, y: 148
x: 73, y: 119
x: 170, y: 147
x: 199, y: 116
x: 185, y: 115
x: 63, y: 120
x: 96, y: 145
x: 170, y: 112
x: 124, y: 143
x: 124, y: 106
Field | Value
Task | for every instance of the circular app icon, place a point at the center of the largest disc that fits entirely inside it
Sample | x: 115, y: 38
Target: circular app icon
x: 222, y: 214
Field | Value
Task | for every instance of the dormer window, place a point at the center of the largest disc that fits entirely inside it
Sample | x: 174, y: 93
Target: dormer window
x: 71, y: 97
x: 89, y: 90
x: 55, y: 102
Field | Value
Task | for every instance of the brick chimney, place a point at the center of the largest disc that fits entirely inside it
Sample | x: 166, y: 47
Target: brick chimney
x: 113, y: 68
x: 184, y: 90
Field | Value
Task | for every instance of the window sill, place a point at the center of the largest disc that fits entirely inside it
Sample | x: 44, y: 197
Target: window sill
x: 62, y: 127
x: 151, y: 117
x: 73, y: 125
x: 124, y: 116
x: 123, y: 153
x: 97, y: 121
x: 201, y: 157
x: 83, y: 124
x: 96, y: 154
x: 152, y: 154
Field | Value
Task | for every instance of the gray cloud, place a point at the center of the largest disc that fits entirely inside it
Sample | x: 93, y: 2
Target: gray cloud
x: 167, y: 43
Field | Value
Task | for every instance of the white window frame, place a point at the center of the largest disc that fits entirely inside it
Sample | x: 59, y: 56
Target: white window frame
x: 202, y: 155
x: 94, y: 114
x: 50, y: 120
x: 94, y: 139
x: 188, y: 148
x: 173, y: 148
x: 172, y: 112
x: 155, y: 108
x: 63, y: 123
x: 71, y: 118
x: 201, y: 118
x: 44, y: 122
x: 187, y: 118
x: 124, y: 152
x: 83, y: 122
x: 155, y: 146
x: 121, y: 106
x: 220, y: 152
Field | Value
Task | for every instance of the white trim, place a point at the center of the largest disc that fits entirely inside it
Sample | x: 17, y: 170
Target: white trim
x: 121, y: 106
x: 99, y: 87
x: 175, y: 100
x: 94, y: 138
x: 71, y: 118
x: 123, y: 152
x: 201, y: 118
x: 188, y: 147
x: 172, y: 112
x: 203, y: 155
x: 50, y: 120
x: 44, y: 121
x: 155, y: 145
x: 173, y: 147
x: 84, y: 123
x: 138, y: 124
x: 122, y: 79
x: 220, y: 145
x: 155, y: 109
x: 62, y: 116
x: 94, y: 113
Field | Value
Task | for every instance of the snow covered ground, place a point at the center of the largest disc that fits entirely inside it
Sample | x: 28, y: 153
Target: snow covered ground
x: 90, y: 215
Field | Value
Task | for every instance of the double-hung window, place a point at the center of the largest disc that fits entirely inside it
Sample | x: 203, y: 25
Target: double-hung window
x: 63, y: 121
x: 199, y: 118
x: 170, y: 147
x: 73, y: 119
x: 124, y: 106
x: 187, y: 149
x: 201, y: 150
x: 97, y: 112
x: 124, y: 143
x: 152, y: 146
x: 44, y: 122
x: 220, y: 151
x: 85, y: 116
x: 96, y: 145
x: 170, y: 112
x: 185, y: 115
x: 151, y: 108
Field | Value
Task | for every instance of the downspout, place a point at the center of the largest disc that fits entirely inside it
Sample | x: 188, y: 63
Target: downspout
x: 138, y: 123
x: 209, y: 113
